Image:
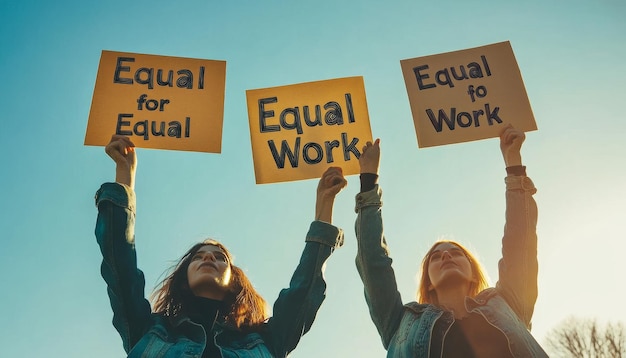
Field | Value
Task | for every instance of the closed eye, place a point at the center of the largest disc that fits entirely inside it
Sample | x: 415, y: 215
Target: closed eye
x: 436, y: 255
x: 456, y: 252
x: 220, y: 256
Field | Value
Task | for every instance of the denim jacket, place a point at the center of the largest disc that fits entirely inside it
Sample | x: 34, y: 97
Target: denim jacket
x: 147, y: 334
x: 419, y: 330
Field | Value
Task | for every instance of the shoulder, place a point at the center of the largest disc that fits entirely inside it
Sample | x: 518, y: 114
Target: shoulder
x: 486, y: 294
x: 419, y: 308
x: 490, y: 297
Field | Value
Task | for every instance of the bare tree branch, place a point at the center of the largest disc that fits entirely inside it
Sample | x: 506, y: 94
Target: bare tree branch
x: 585, y: 338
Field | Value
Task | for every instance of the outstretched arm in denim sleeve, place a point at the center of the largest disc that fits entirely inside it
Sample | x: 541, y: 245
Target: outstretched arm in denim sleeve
x: 373, y: 261
x: 518, y: 268
x: 296, y: 307
x: 115, y: 235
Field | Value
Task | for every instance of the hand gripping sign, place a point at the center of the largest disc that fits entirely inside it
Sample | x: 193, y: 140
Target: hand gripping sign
x: 298, y: 131
x: 466, y: 95
x: 159, y: 101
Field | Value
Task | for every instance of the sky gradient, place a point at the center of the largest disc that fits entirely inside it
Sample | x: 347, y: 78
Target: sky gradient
x: 571, y: 56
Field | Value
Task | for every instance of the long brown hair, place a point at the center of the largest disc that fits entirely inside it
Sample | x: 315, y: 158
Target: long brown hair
x: 246, y: 309
x: 427, y: 295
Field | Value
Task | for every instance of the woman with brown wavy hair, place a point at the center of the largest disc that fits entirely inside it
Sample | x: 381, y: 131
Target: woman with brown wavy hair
x: 206, y: 307
x: 244, y: 307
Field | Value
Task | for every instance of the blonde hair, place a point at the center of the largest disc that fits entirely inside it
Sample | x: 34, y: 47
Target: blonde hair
x: 425, y: 294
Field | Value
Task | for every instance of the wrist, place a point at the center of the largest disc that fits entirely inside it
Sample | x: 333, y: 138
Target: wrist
x: 324, y: 207
x: 513, y: 160
x: 125, y: 176
x: 325, y: 200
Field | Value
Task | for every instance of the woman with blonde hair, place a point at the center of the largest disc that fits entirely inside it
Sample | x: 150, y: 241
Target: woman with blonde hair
x: 206, y: 307
x: 456, y: 315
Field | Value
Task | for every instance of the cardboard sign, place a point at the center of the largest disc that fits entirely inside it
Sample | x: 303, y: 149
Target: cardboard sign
x: 466, y: 95
x: 158, y: 101
x: 300, y: 130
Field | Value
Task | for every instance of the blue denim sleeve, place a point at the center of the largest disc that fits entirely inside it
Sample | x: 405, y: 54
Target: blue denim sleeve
x: 374, y: 266
x: 296, y: 307
x: 518, y: 268
x: 125, y: 282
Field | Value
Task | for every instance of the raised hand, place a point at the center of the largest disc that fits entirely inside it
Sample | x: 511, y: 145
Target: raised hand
x: 511, y: 140
x: 122, y: 150
x: 370, y: 157
x: 330, y: 184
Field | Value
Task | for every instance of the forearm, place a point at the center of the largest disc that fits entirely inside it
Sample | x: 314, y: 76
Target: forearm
x: 125, y: 175
x: 324, y: 209
x: 296, y: 306
x: 518, y: 268
x: 513, y: 159
x: 374, y: 266
x: 115, y: 235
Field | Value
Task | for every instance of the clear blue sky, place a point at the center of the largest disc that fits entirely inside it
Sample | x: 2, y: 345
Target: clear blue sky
x: 571, y: 55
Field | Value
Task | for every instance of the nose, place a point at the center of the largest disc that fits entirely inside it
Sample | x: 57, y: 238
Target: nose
x: 445, y: 255
x: 208, y: 256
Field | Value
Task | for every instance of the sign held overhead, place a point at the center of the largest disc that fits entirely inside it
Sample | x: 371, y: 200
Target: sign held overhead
x: 298, y: 131
x: 466, y: 95
x: 159, y: 101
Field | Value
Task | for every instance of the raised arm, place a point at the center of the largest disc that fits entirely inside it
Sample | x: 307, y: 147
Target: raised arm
x: 114, y: 231
x: 296, y: 307
x: 518, y: 268
x: 372, y: 260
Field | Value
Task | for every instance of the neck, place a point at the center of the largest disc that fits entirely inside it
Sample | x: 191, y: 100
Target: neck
x: 218, y: 296
x: 209, y: 292
x: 453, y: 299
x: 204, y: 311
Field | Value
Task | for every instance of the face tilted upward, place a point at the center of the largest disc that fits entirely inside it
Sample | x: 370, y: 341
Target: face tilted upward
x: 209, y: 272
x: 448, y: 265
